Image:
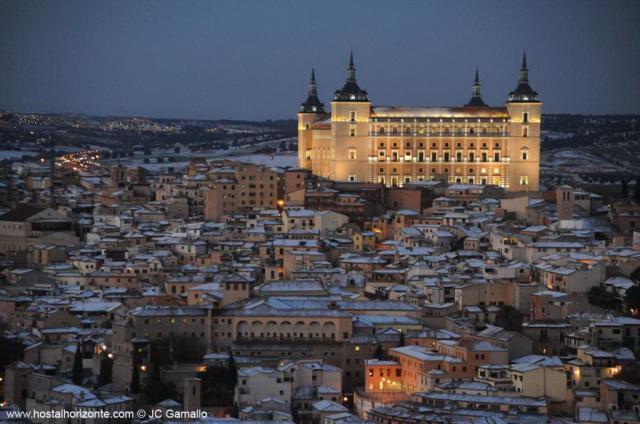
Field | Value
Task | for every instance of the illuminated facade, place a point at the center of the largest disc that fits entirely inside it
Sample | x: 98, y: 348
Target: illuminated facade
x: 471, y: 144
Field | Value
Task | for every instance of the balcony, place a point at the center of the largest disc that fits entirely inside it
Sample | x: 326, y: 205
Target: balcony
x: 278, y: 339
x: 440, y: 134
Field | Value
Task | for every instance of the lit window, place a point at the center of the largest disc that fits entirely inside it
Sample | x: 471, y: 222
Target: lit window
x: 524, y: 180
x: 352, y: 177
x: 353, y: 153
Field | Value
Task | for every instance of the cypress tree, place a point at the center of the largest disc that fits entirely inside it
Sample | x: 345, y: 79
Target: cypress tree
x: 636, y: 191
x: 77, y: 373
x: 232, y: 369
x: 379, y: 353
x: 624, y: 189
x: 106, y: 369
x: 134, y: 387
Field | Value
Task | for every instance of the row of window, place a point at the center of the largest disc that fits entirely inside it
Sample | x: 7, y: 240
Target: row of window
x: 446, y: 157
x: 444, y: 131
x: 447, y: 132
x: 394, y: 181
x: 446, y: 170
x: 525, y: 118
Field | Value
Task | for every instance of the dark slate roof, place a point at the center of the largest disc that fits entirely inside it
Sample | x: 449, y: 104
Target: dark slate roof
x: 476, y: 101
x: 523, y: 92
x: 476, y: 98
x: 312, y: 104
x: 21, y: 213
x: 351, y: 91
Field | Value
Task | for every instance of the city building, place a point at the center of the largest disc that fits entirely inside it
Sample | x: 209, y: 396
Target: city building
x: 471, y: 144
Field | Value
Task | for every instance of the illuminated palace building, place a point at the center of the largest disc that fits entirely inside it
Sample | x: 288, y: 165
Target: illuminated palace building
x: 475, y: 143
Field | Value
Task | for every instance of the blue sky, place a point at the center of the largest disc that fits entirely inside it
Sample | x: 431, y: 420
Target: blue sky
x: 251, y: 59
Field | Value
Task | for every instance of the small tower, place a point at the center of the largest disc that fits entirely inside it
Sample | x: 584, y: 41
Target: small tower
x: 191, y: 399
x: 350, y: 124
x: 310, y: 111
x: 524, y: 92
x: 476, y: 98
x: 564, y: 202
x: 312, y: 104
x: 351, y: 91
x: 525, y: 112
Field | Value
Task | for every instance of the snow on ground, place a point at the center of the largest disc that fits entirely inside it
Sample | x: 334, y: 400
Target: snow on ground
x: 568, y: 157
x: 288, y: 159
x: 16, y: 154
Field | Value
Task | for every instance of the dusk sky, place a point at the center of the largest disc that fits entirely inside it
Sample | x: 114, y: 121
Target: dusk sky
x: 251, y: 59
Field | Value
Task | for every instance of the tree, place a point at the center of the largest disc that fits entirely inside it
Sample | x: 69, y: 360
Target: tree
x: 636, y: 191
x: 155, y: 389
x: 379, y: 353
x: 401, y: 341
x: 232, y: 368
x: 219, y: 383
x: 106, y: 369
x: 235, y: 411
x: 177, y: 349
x: 77, y: 372
x: 509, y: 318
x: 134, y: 387
x: 624, y: 189
x: 11, y: 350
x: 632, y: 298
x: 599, y: 296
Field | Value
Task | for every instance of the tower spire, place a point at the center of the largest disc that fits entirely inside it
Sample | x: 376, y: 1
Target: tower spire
x: 523, y: 92
x: 312, y: 104
x: 524, y: 70
x: 351, y: 70
x: 476, y: 98
x: 313, y: 86
x: 351, y: 92
x: 476, y: 84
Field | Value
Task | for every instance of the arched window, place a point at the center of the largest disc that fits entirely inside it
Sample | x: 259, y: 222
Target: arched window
x: 524, y: 154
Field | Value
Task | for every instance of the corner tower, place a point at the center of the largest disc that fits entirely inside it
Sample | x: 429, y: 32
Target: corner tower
x: 525, y: 112
x: 350, y: 113
x: 310, y: 111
